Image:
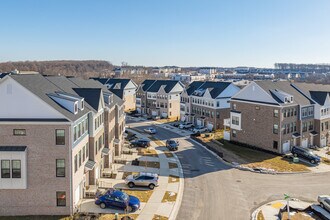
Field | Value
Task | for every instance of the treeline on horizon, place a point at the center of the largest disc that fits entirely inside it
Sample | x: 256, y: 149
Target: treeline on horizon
x: 77, y: 68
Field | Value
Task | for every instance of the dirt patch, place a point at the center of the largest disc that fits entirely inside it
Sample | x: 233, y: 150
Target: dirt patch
x: 173, y: 179
x: 112, y: 216
x: 150, y: 164
x: 159, y: 217
x: 143, y: 195
x: 169, y: 197
x: 325, y: 160
x: 147, y: 152
x: 172, y: 165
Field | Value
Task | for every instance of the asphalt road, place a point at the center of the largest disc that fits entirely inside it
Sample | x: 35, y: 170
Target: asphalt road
x: 212, y: 190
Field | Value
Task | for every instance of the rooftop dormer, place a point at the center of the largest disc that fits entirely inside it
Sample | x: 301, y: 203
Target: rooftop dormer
x: 81, y: 101
x: 68, y: 103
x: 108, y: 97
x: 283, y: 96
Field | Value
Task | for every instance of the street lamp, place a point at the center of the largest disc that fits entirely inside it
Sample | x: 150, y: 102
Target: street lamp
x: 287, y: 198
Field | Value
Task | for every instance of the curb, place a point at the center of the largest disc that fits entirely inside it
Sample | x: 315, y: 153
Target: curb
x: 178, y: 202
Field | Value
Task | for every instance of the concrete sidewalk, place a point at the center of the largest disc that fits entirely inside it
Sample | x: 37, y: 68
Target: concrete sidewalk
x: 155, y: 205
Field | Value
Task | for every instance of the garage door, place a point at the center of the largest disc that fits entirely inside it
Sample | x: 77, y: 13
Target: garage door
x: 154, y: 113
x: 286, y: 147
x: 199, y: 122
x: 210, y: 126
x: 304, y: 143
x: 164, y: 115
x: 138, y: 110
x: 183, y: 118
x: 323, y: 142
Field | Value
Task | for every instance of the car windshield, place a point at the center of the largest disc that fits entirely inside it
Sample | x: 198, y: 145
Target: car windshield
x: 124, y: 196
x: 172, y: 142
x: 135, y: 176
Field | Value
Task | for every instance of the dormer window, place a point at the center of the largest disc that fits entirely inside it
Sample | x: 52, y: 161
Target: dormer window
x: 82, y: 104
x: 75, y: 108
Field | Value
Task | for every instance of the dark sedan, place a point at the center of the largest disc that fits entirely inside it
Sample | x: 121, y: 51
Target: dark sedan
x: 172, y: 145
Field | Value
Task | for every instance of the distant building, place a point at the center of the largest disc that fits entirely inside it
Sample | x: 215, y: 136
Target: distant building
x: 187, y: 78
x: 207, y: 71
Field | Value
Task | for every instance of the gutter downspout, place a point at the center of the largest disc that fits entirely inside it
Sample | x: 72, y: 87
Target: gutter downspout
x: 70, y: 171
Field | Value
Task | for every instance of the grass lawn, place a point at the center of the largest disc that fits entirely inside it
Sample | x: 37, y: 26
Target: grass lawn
x: 328, y: 152
x: 36, y: 217
x: 260, y: 216
x: 159, y: 217
x: 143, y: 195
x: 325, y: 160
x: 168, y: 154
x: 112, y: 216
x: 169, y: 197
x: 256, y: 159
x: 149, y: 164
x: 147, y: 152
x: 173, y: 179
x: 172, y: 165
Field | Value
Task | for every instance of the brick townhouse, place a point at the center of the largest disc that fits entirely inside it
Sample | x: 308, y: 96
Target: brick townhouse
x: 53, y: 142
x: 124, y: 89
x: 207, y: 103
x: 159, y: 98
x: 272, y: 115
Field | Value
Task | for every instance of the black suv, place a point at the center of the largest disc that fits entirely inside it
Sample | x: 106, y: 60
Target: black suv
x: 140, y: 143
x: 305, y: 154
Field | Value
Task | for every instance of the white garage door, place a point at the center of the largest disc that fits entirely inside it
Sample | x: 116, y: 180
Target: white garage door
x: 77, y: 195
x: 164, y: 115
x: 323, y: 142
x: 286, y: 147
x: 138, y: 110
x: 199, y: 122
x: 304, y: 143
x: 210, y: 126
x: 154, y: 113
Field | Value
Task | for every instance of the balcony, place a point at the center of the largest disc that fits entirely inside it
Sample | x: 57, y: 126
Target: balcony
x: 226, y: 122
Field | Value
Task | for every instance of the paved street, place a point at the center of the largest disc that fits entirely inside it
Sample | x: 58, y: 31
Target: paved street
x: 216, y: 191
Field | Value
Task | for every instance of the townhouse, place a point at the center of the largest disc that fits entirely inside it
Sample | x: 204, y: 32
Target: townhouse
x: 124, y: 89
x: 207, y: 103
x: 159, y: 98
x: 53, y: 141
x: 272, y: 115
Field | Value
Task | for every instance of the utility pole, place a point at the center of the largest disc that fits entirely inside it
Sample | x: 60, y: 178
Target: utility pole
x: 287, y: 198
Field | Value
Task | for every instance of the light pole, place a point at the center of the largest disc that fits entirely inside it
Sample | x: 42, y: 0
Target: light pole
x: 287, y: 198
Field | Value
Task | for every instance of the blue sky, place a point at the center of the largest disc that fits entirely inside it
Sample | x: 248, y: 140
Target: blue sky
x: 168, y: 32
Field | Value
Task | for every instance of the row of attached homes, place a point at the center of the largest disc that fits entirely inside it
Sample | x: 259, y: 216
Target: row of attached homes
x: 57, y: 136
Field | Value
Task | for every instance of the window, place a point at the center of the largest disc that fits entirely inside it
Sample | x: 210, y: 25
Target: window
x: 60, y: 168
x: 276, y: 113
x: 218, y: 115
x: 218, y: 104
x: 60, y: 137
x: 291, y: 112
x: 275, y: 145
x: 234, y: 106
x: 79, y: 158
x: 275, y: 128
x: 291, y: 127
x: 322, y: 126
x: 19, y: 132
x: 295, y: 126
x: 304, y: 127
x: 310, y: 126
x: 5, y: 168
x: 75, y: 133
x: 234, y: 133
x: 326, y: 125
x: 75, y: 163
x: 60, y: 199
x: 235, y: 120
x: 284, y: 129
x: 295, y: 112
x: 16, y: 169
x: 84, y: 153
x: 75, y: 107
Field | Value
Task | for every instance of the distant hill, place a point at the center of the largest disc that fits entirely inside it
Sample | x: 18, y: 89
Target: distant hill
x: 84, y: 68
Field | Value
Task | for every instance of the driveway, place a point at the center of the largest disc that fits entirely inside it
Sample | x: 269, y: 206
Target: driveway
x: 215, y: 191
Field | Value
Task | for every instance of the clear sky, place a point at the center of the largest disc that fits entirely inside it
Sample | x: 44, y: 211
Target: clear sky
x: 167, y: 32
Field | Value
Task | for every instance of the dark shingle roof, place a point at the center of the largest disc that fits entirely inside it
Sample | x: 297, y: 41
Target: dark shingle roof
x: 12, y: 148
x: 146, y: 84
x: 193, y: 86
x: 317, y: 92
x: 116, y: 86
x: 168, y: 85
x: 284, y: 86
x: 92, y: 96
x: 215, y: 88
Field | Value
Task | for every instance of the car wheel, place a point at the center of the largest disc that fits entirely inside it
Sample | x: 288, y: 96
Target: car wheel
x: 131, y: 185
x: 295, y: 155
x: 313, y: 161
x: 151, y: 186
x: 102, y: 205
x: 128, y: 209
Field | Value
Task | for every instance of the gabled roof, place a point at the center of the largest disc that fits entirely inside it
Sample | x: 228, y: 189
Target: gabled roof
x: 145, y: 85
x: 92, y: 96
x: 168, y: 85
x: 286, y: 87
x: 215, y: 88
x: 116, y: 86
x: 319, y: 97
x: 41, y: 87
x: 317, y: 92
x: 193, y: 86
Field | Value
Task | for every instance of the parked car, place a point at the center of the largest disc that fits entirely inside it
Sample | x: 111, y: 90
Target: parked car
x: 155, y: 117
x: 305, y: 154
x: 142, y: 179
x: 186, y: 125
x: 199, y: 129
x: 150, y: 130
x: 131, y: 137
x: 118, y: 199
x: 140, y: 143
x: 172, y: 144
x: 175, y: 124
x: 324, y: 201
